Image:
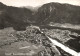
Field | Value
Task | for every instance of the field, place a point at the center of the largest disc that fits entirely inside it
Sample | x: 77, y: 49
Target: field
x: 31, y: 42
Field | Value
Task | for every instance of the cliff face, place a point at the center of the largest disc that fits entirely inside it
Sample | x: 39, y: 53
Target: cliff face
x: 58, y: 13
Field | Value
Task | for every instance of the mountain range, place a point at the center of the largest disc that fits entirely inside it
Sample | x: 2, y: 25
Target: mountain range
x: 21, y: 17
x: 58, y: 13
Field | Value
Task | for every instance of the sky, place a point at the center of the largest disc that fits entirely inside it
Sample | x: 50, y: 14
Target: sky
x: 35, y: 3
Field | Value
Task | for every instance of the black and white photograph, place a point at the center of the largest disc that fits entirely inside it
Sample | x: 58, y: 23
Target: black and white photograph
x: 39, y: 27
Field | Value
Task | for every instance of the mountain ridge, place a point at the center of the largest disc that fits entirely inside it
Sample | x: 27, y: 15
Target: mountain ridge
x: 59, y: 13
x: 21, y: 17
